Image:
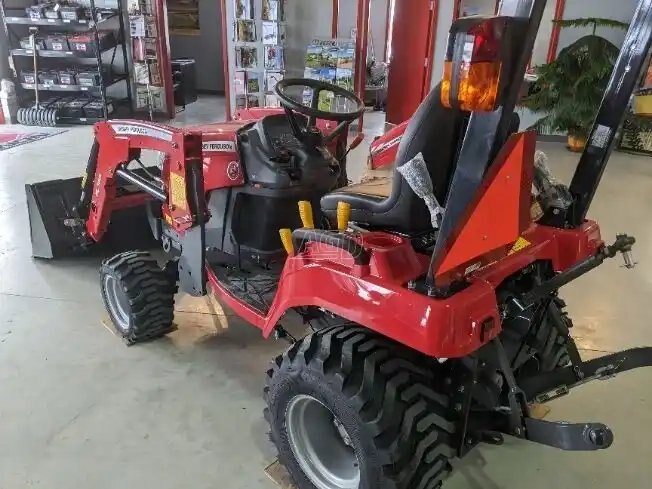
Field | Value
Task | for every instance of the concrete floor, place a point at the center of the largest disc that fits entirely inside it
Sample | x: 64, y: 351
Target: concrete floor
x: 79, y: 409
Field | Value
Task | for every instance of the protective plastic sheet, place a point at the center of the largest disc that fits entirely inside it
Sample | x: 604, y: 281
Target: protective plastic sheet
x: 549, y: 190
x: 415, y: 173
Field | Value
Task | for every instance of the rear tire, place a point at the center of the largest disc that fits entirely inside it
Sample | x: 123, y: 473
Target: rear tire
x: 554, y: 351
x: 370, y: 409
x: 550, y: 348
x: 138, y: 295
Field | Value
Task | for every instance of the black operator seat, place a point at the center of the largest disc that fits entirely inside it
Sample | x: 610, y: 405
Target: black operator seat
x: 436, y: 132
x: 433, y: 131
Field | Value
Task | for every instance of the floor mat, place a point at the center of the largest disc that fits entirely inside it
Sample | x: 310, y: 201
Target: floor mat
x: 10, y: 140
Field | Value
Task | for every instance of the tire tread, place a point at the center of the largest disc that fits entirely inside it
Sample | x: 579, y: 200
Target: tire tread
x: 393, y: 394
x: 150, y: 291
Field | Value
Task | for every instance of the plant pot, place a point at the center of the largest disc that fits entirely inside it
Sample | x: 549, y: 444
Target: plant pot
x: 576, y: 143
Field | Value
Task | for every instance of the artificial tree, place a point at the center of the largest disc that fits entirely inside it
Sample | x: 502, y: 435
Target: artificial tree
x: 569, y: 90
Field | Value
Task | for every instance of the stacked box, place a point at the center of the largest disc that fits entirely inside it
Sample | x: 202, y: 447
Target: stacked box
x: 26, y: 42
x: 68, y: 77
x: 95, y: 109
x: 72, y: 12
x: 51, y: 12
x: 90, y: 78
x: 84, y: 44
x: 36, y: 12
x: 27, y: 76
x: 48, y: 78
x: 57, y: 42
x: 75, y: 108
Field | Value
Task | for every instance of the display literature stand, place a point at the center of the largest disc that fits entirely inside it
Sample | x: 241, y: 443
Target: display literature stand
x: 256, y: 57
x: 147, y: 58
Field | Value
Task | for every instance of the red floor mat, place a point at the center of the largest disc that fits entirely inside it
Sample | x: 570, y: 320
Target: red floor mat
x: 10, y: 140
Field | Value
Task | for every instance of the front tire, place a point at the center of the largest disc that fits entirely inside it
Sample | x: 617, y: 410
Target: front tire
x: 138, y: 295
x: 348, y: 408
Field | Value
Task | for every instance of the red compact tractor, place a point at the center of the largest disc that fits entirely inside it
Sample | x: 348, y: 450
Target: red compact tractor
x: 435, y: 310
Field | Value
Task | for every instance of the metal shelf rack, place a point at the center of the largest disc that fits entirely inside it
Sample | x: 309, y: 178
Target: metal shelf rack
x: 98, y: 19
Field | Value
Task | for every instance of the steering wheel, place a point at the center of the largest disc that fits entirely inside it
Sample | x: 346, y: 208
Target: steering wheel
x: 294, y: 105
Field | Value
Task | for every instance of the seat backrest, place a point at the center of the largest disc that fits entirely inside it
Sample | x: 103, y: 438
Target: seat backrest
x: 435, y: 131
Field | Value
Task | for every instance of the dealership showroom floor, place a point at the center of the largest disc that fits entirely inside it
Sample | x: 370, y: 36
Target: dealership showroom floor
x: 79, y: 409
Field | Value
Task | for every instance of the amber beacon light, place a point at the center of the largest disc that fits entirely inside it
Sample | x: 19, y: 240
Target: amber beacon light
x: 478, y: 59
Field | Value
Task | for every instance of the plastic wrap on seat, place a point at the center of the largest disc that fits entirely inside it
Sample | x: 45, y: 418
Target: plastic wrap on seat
x: 415, y: 172
x: 550, y: 192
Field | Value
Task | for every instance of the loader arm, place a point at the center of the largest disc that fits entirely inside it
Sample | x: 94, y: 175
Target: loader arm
x: 180, y: 190
x: 120, y: 142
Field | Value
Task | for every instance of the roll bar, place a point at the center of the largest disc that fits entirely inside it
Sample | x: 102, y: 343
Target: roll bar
x: 487, y: 131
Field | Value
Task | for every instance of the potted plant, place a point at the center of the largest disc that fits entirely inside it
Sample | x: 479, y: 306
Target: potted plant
x: 569, y: 90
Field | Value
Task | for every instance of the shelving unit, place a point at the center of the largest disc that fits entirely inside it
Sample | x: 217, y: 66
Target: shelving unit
x: 71, y: 88
x: 101, y: 58
x: 56, y: 22
x: 45, y: 53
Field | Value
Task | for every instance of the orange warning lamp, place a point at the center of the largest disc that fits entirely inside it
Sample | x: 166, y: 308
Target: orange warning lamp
x: 479, y: 59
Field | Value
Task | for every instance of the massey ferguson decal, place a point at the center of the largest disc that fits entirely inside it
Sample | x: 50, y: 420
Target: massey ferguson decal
x: 233, y: 170
x: 139, y: 129
x: 385, y: 146
x: 218, y: 147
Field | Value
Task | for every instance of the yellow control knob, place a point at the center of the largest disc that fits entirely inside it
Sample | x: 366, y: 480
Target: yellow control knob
x: 286, y: 239
x: 343, y: 215
x: 305, y: 211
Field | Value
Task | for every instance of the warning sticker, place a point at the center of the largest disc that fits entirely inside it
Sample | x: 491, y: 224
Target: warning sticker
x: 601, y: 136
x: 520, y: 245
x: 177, y: 191
x: 137, y: 129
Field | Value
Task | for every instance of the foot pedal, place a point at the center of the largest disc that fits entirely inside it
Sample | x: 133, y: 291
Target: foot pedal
x: 569, y: 436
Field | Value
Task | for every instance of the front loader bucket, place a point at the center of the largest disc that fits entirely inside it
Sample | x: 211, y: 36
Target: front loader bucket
x: 50, y: 206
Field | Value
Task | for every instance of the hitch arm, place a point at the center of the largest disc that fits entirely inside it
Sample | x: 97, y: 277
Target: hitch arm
x: 516, y: 419
x: 550, y: 385
x: 623, y: 244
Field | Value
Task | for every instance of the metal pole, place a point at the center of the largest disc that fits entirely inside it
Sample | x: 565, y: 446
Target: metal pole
x: 125, y: 57
x: 4, y: 45
x: 142, y: 184
x: 602, y: 138
x: 98, y: 56
x: 360, y: 75
x: 554, y: 37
